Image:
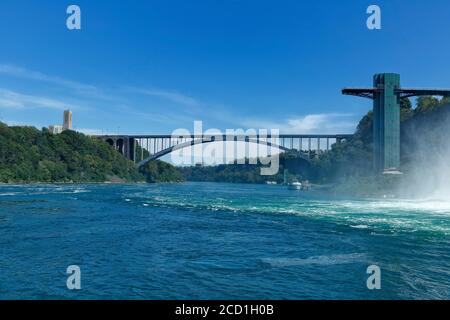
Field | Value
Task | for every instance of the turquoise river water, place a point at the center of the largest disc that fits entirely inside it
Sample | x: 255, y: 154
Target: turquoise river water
x: 218, y: 241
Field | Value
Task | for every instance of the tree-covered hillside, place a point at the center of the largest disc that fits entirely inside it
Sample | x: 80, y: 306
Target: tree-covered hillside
x: 31, y: 155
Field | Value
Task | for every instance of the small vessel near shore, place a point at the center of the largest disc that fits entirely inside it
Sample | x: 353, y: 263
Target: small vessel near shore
x: 299, y: 185
x: 295, y: 186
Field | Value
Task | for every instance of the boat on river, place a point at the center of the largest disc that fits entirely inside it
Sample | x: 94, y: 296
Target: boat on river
x: 295, y: 186
x: 299, y: 185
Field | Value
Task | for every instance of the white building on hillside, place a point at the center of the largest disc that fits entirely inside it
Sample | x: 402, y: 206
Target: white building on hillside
x: 55, y: 129
x: 67, y: 123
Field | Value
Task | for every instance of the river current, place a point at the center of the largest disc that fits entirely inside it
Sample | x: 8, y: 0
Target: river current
x: 218, y: 241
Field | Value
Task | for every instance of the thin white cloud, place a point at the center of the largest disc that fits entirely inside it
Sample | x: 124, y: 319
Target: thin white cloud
x: 324, y: 123
x: 312, y: 123
x: 13, y: 123
x: 91, y: 132
x: 20, y: 72
x: 15, y: 100
x: 96, y: 92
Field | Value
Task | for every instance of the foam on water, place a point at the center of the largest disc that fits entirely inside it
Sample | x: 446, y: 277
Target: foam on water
x: 316, y: 260
x: 6, y: 194
x: 398, y: 214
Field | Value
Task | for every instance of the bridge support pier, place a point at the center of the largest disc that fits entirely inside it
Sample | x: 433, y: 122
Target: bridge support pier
x: 123, y: 144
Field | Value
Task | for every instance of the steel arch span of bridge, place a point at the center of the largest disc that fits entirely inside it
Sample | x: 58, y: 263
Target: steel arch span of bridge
x: 133, y: 147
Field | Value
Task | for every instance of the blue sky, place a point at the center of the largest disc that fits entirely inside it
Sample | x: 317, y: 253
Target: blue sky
x: 155, y: 66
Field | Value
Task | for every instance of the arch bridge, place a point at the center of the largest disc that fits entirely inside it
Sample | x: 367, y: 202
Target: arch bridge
x: 144, y: 148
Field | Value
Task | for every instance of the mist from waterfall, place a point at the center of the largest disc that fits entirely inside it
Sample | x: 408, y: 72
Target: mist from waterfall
x: 427, y: 154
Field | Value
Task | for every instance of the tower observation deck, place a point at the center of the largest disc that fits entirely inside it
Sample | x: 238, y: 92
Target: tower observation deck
x: 386, y: 94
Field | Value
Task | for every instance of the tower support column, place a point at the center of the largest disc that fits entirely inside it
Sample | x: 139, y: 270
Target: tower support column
x: 386, y: 122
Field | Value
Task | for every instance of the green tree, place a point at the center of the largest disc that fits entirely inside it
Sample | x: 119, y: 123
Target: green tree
x: 159, y: 171
x: 426, y: 104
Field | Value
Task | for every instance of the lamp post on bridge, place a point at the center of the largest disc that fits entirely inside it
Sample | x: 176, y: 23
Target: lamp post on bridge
x: 386, y: 94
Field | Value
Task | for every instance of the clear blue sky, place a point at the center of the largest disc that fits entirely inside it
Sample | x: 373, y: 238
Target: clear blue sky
x: 154, y: 66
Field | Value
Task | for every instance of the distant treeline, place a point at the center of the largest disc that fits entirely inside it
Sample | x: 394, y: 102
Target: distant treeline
x: 31, y: 155
x: 248, y: 173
